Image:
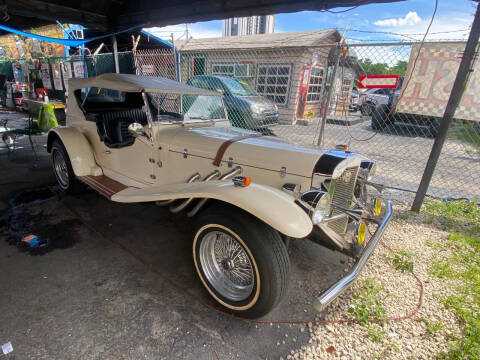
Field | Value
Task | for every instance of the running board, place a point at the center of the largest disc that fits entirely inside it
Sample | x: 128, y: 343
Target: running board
x: 103, y: 185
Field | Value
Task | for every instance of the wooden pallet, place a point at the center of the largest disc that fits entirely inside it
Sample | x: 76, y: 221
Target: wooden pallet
x: 103, y: 185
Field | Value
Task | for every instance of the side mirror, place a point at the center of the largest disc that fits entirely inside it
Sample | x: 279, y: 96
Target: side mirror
x: 136, y: 129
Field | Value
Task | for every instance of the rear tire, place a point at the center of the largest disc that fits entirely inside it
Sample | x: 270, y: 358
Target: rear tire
x: 367, y: 109
x: 242, y: 262
x: 62, y: 168
x: 378, y: 117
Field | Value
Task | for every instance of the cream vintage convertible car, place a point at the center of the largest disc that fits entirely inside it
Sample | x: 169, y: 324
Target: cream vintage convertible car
x: 150, y: 139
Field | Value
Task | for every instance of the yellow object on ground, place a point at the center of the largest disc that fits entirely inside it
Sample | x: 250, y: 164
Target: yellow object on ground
x: 46, y: 117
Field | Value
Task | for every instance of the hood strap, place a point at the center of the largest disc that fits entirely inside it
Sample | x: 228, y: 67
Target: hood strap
x: 221, y: 150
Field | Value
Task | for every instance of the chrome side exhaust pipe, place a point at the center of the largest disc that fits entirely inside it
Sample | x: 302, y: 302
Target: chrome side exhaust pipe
x: 192, y: 178
x: 194, y: 211
x: 183, y: 205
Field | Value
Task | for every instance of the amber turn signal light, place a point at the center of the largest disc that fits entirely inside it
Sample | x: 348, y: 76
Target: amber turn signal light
x: 243, y: 181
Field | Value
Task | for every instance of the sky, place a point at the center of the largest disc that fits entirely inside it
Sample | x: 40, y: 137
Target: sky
x: 453, y: 19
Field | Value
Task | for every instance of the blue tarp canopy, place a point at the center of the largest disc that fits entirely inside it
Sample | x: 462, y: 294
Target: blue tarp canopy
x: 66, y: 42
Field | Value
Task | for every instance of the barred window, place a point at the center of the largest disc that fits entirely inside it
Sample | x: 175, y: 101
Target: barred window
x: 223, y: 69
x: 232, y: 69
x: 273, y: 81
x: 315, y: 86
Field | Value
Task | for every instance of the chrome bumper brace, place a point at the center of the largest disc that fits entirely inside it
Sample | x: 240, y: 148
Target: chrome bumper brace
x: 342, y: 284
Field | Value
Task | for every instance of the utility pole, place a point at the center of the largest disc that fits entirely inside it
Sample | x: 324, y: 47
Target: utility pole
x: 461, y: 80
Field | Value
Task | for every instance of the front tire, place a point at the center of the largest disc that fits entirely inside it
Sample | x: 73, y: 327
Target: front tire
x: 242, y: 262
x: 62, y: 168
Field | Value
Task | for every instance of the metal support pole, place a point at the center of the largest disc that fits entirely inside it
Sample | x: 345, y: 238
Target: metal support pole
x: 115, y: 54
x: 175, y: 60
x: 459, y: 86
x: 50, y: 69
x: 336, y: 60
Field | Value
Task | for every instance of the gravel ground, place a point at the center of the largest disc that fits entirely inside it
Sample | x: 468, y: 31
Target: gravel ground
x: 404, y: 339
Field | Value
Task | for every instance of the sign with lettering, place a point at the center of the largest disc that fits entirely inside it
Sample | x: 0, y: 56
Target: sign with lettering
x: 431, y: 82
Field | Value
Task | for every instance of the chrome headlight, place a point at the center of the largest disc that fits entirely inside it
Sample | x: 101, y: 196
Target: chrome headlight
x: 256, y: 109
x: 318, y: 204
x: 368, y: 169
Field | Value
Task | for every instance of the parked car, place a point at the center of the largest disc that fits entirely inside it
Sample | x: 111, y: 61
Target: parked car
x: 354, y: 97
x: 130, y: 138
x: 246, y: 109
x: 372, y: 98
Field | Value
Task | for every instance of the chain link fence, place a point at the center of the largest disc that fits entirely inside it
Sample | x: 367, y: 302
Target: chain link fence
x: 313, y: 96
x: 156, y: 62
x: 270, y: 90
x: 397, y: 127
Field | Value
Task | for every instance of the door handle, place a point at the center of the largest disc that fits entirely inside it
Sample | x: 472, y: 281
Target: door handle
x: 107, y: 152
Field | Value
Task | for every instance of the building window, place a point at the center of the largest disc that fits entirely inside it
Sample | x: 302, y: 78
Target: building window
x: 315, y: 86
x: 273, y: 81
x: 232, y: 69
x: 223, y: 69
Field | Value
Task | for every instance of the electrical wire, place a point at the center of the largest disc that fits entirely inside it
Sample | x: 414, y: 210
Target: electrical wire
x: 340, y: 11
x: 404, y: 86
x: 408, y: 34
x: 182, y: 290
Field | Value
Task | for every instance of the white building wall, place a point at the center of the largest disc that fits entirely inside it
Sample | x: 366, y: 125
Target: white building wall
x: 250, y: 25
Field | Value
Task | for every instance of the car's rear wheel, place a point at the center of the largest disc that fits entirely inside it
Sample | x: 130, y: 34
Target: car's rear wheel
x: 367, y: 109
x: 242, y: 262
x: 379, y: 115
x: 62, y: 168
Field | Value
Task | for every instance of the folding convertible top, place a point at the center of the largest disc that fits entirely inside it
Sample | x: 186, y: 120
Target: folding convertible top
x: 137, y: 83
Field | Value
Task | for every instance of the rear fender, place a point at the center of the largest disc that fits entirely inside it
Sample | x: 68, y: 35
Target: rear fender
x: 78, y: 148
x: 272, y: 206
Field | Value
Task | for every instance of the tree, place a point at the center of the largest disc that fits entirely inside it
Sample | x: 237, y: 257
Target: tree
x: 371, y: 68
x: 399, y: 69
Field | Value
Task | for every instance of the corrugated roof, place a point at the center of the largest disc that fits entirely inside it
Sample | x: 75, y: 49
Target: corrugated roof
x: 290, y: 39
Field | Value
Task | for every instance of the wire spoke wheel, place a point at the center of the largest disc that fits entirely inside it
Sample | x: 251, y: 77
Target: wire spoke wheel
x: 61, y: 169
x: 226, y: 265
x: 242, y: 262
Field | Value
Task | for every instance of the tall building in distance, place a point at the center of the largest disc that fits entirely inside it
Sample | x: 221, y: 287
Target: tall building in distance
x: 263, y: 24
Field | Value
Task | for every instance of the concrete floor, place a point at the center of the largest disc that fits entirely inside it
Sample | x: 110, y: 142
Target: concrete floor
x: 91, y: 296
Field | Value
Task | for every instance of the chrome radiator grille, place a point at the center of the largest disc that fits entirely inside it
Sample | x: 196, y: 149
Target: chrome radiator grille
x: 341, y: 191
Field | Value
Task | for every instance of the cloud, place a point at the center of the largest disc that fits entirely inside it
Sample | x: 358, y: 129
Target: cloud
x: 196, y: 31
x: 454, y: 26
x: 411, y: 19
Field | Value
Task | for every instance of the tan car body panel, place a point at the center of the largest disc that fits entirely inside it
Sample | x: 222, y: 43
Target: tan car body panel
x: 266, y: 152
x: 79, y: 151
x: 270, y: 205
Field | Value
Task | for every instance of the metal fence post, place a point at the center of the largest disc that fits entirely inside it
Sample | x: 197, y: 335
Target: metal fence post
x: 336, y: 60
x: 50, y: 69
x: 459, y: 86
x: 115, y: 54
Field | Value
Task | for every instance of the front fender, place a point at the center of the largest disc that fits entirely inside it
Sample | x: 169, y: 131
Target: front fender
x: 78, y: 148
x: 272, y: 206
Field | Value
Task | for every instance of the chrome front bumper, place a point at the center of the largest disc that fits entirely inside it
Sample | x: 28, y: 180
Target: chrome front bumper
x: 328, y: 295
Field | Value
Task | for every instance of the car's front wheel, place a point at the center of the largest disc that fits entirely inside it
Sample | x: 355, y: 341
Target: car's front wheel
x: 63, y: 168
x: 242, y: 262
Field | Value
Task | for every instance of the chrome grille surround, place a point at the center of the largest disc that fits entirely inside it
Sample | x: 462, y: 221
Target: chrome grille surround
x: 341, y: 193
